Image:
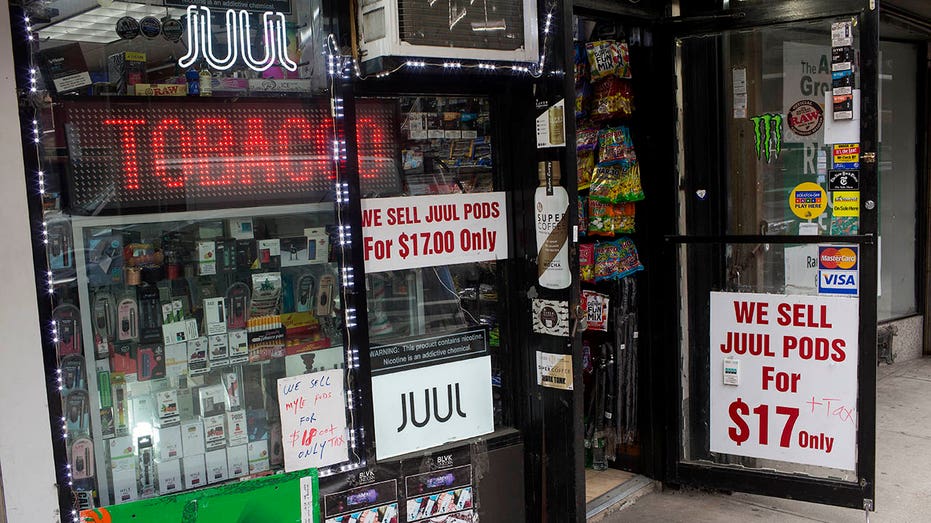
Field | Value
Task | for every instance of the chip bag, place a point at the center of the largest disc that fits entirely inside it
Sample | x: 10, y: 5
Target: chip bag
x: 608, y: 58
x: 613, y: 99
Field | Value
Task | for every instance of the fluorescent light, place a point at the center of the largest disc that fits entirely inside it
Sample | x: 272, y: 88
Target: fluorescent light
x: 98, y: 25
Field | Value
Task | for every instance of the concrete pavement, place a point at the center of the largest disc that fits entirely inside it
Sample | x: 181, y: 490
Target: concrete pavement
x: 903, y: 456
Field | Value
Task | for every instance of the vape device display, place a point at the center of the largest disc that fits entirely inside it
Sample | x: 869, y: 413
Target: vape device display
x: 325, y: 295
x: 127, y: 322
x: 82, y: 459
x: 237, y: 297
x: 104, y: 322
x: 67, y: 321
x: 150, y: 314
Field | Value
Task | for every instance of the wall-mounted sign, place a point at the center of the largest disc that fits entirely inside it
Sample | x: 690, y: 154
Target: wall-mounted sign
x: 420, y: 402
x: 282, y: 6
x: 137, y: 154
x: 313, y: 420
x: 784, y: 377
x: 425, y: 231
x: 238, y: 40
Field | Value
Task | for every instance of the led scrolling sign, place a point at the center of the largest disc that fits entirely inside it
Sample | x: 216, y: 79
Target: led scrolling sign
x: 132, y: 154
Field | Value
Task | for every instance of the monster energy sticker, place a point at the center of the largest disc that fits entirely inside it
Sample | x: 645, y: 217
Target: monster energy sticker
x: 767, y: 136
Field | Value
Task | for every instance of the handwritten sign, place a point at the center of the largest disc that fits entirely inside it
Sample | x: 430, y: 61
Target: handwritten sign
x: 313, y: 420
x: 424, y: 231
x: 784, y: 377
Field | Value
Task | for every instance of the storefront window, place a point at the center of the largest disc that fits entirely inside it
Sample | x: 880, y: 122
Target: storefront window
x: 189, y: 199
x: 433, y: 282
x: 897, y: 179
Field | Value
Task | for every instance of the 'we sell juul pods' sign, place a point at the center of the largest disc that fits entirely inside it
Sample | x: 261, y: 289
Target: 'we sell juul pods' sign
x: 426, y: 231
x: 784, y: 377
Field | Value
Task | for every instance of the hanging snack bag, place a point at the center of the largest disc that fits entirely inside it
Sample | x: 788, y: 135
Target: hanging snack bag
x: 583, y: 99
x: 595, y: 305
x: 608, y: 58
x: 625, y: 218
x: 581, y: 64
x: 615, y: 145
x: 616, y: 183
x: 583, y: 216
x: 600, y: 218
x: 613, y: 98
x: 587, y: 261
x: 615, y: 260
x: 586, y: 143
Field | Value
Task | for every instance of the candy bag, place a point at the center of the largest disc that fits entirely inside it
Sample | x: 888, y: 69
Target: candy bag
x: 583, y: 216
x: 614, y: 98
x: 616, y: 183
x: 600, y: 218
x: 581, y: 64
x: 615, y: 145
x: 608, y: 58
x: 624, y: 218
x: 595, y: 306
x: 615, y: 260
x: 583, y: 98
x: 585, y: 164
x: 587, y: 261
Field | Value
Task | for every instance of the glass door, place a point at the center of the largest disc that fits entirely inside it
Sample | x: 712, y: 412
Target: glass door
x: 775, y: 251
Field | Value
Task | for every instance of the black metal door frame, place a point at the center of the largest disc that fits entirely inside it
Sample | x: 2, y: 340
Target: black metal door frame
x: 711, y: 233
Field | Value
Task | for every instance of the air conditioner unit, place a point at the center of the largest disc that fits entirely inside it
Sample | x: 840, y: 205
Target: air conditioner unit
x: 486, y: 30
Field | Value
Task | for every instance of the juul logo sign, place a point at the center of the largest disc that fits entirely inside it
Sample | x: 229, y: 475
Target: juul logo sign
x: 426, y: 408
x: 238, y: 29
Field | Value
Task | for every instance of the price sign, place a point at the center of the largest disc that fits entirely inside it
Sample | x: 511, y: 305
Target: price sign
x: 425, y: 231
x: 784, y: 377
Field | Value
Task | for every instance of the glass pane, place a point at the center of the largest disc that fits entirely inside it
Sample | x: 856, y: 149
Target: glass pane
x: 433, y: 313
x: 782, y: 365
x: 897, y: 179
x: 778, y: 129
x: 187, y: 181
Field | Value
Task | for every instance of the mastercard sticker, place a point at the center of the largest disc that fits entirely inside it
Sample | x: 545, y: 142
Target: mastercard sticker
x: 838, y: 269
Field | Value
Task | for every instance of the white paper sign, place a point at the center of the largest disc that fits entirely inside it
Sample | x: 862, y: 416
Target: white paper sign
x: 797, y: 395
x: 425, y: 231
x: 429, y: 406
x: 313, y: 420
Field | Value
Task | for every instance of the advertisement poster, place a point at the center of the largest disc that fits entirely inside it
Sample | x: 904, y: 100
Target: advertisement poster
x: 426, y: 231
x: 445, y: 495
x: 784, y: 377
x: 554, y: 370
x: 313, y: 420
x: 369, y: 502
x: 420, y: 402
x: 807, y: 78
x: 282, y: 498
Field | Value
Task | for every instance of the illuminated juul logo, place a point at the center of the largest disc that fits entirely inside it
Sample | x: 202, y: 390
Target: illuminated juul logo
x: 436, y: 404
x: 238, y: 28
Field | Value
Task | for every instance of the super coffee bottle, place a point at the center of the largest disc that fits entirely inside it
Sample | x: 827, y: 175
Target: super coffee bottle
x: 551, y: 203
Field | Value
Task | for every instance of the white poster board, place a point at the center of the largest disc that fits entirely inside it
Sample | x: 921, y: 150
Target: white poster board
x: 313, y: 420
x: 784, y: 377
x: 426, y: 231
x: 429, y: 406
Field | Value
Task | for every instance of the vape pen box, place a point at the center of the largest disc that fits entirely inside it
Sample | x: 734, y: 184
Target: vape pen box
x: 168, y: 413
x: 236, y: 428
x: 197, y: 356
x: 318, y: 245
x: 219, y: 350
x: 143, y: 409
x: 206, y: 258
x: 169, y: 476
x: 237, y: 459
x: 126, y: 69
x: 215, y: 430
x: 122, y: 456
x: 238, y: 341
x: 179, y: 331
x: 195, y: 471
x: 215, y: 315
x: 176, y: 360
x: 124, y: 487
x: 258, y: 456
x: 240, y: 228
x: 269, y: 253
x: 212, y: 400
x: 186, y: 404
x: 192, y: 438
x: 169, y: 443
x: 217, y: 469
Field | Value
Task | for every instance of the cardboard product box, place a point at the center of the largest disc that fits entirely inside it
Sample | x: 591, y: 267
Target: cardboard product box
x: 215, y: 316
x: 169, y: 477
x: 217, y: 467
x: 215, y: 429
x: 192, y: 438
x: 126, y: 69
x: 176, y: 361
x: 212, y: 400
x: 237, y: 460
x: 169, y: 442
x: 124, y: 487
x: 238, y: 346
x: 122, y: 456
x: 258, y: 456
x: 64, y: 68
x: 195, y: 471
x: 179, y: 331
x: 219, y: 350
x: 237, y: 430
x: 197, y: 351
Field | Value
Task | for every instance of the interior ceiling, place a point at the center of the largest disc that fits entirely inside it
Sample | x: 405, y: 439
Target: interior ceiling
x: 915, y: 26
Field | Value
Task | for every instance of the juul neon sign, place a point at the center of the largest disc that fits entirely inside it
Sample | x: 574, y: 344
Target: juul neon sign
x: 238, y: 28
